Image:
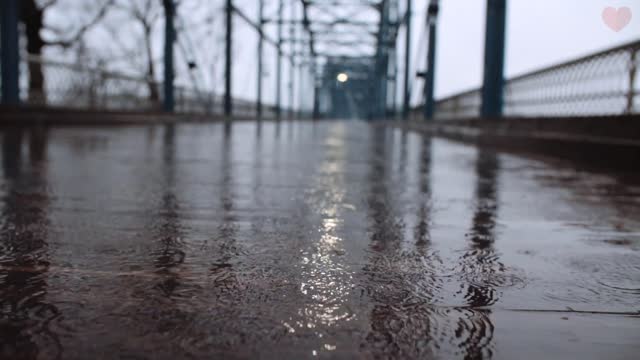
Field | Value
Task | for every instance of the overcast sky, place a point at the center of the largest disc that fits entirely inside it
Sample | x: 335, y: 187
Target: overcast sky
x: 539, y: 33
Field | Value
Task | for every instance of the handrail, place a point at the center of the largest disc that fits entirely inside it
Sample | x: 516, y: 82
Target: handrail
x: 576, y: 89
x: 627, y: 46
x: 63, y: 91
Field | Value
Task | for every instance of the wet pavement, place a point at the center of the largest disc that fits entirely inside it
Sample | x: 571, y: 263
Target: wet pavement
x: 302, y: 240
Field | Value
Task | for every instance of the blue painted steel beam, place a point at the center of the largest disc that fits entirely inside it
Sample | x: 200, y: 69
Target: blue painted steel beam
x: 279, y: 62
x: 430, y: 76
x: 10, y: 53
x: 316, y: 91
x: 292, y: 67
x: 228, y: 105
x: 494, y: 53
x: 407, y: 61
x: 260, y: 54
x: 379, y: 106
x: 169, y: 39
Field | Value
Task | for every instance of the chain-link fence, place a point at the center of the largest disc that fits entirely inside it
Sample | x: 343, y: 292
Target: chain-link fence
x: 57, y: 84
x: 605, y: 83
x: 71, y: 86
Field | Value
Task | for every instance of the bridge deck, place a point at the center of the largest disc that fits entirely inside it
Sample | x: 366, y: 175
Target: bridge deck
x: 335, y: 239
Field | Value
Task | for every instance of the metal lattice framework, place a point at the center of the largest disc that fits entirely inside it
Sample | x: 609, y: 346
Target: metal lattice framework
x: 360, y: 36
x: 318, y: 41
x: 334, y: 32
x: 346, y: 28
x: 353, y: 36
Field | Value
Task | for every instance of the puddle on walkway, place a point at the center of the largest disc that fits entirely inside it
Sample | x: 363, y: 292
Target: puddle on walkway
x: 303, y: 240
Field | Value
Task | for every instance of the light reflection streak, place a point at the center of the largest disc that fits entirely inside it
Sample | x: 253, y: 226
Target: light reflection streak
x: 326, y: 281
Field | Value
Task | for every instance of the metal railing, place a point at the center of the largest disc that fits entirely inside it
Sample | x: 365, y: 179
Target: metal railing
x: 605, y: 83
x: 73, y: 86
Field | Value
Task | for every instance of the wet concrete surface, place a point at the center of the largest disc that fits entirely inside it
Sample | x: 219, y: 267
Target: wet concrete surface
x: 303, y: 240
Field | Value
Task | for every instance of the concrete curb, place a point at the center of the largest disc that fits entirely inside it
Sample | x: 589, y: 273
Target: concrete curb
x: 611, y: 143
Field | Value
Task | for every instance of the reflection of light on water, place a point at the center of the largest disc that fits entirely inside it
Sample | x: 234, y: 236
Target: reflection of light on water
x: 326, y: 281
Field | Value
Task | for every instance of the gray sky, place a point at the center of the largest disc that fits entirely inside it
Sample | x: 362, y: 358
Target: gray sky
x: 539, y: 33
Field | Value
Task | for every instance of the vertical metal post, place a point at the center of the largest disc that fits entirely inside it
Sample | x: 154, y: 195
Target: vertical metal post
x: 407, y: 61
x: 169, y: 39
x: 633, y: 68
x: 301, y: 85
x: 260, y: 52
x: 228, y: 106
x: 10, y: 52
x: 394, y: 85
x: 279, y: 61
x: 382, y: 61
x: 316, y: 102
x: 430, y: 76
x: 292, y: 69
x: 494, y: 52
x: 316, y: 91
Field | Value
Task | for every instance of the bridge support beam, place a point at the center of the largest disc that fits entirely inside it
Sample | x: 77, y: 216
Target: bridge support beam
x: 10, y: 52
x: 279, y: 63
x: 228, y: 105
x: 430, y: 76
x: 169, y: 39
x: 382, y: 64
x: 494, y: 53
x: 260, y: 52
x: 292, y: 59
x: 316, y: 91
x: 407, y: 61
x: 631, y: 94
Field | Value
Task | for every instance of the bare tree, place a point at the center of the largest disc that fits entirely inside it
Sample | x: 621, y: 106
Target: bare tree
x: 141, y: 49
x: 125, y: 36
x: 145, y: 14
x: 32, y: 15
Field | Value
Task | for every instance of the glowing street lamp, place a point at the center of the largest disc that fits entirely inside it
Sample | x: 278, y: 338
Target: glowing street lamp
x: 342, y: 77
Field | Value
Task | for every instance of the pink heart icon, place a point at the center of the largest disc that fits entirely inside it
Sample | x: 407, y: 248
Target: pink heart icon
x: 616, y: 19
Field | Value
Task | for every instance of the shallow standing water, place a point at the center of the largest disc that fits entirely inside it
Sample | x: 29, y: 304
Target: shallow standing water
x: 302, y: 240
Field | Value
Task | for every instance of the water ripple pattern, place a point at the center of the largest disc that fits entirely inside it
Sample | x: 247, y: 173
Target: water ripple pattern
x: 308, y: 240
